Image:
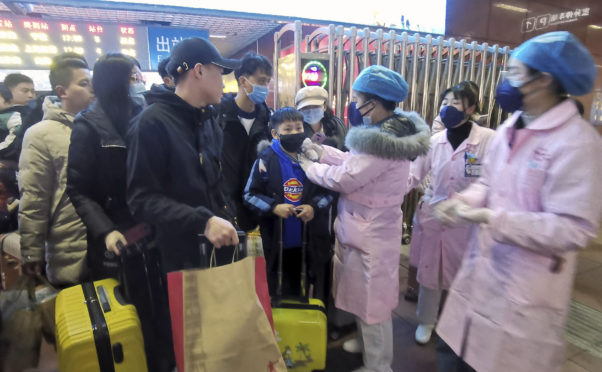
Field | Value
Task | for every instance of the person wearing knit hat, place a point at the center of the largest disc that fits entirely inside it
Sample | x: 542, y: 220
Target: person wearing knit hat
x: 372, y: 178
x: 537, y: 202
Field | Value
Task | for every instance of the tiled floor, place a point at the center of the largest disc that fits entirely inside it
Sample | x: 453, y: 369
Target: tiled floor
x: 409, y: 357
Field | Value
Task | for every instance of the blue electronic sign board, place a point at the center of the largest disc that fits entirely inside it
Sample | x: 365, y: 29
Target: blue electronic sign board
x: 161, y: 41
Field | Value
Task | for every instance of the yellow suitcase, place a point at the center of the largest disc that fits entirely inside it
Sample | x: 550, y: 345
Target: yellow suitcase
x: 299, y: 323
x: 96, y: 330
x: 301, y: 334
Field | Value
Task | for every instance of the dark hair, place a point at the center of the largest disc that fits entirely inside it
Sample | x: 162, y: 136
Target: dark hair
x: 162, y: 68
x: 61, y: 72
x: 12, y: 80
x: 329, y: 122
x: 285, y: 114
x: 465, y: 90
x: 250, y: 63
x: 111, y: 81
x: 136, y: 62
x: 69, y: 55
x: 388, y: 105
x: 5, y: 93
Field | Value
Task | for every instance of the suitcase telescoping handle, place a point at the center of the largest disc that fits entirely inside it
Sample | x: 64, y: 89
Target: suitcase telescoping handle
x: 137, y: 244
x: 125, y: 287
x: 303, y: 260
x: 123, y: 252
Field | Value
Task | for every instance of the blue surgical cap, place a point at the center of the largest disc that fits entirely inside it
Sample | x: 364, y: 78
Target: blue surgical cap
x: 381, y: 82
x: 561, y: 55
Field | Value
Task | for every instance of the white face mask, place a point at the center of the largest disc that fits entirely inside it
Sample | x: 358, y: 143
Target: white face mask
x: 367, y: 120
x: 313, y: 116
x: 137, y: 93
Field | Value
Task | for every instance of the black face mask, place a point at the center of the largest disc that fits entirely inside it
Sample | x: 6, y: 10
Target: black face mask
x: 292, y: 142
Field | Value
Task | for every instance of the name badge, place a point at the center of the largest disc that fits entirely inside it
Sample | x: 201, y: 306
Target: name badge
x: 472, y: 165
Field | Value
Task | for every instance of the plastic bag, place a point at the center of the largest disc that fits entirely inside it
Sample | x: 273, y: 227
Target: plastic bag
x: 27, y: 315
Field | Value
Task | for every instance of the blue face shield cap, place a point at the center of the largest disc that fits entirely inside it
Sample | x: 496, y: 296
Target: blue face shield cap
x: 561, y: 55
x: 382, y: 82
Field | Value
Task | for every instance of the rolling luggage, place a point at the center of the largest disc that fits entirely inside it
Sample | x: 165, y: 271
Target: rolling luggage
x: 97, y: 325
x: 97, y: 330
x: 300, y: 323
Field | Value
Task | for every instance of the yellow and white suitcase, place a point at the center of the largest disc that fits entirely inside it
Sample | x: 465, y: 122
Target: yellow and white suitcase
x: 97, y: 330
x: 300, y: 322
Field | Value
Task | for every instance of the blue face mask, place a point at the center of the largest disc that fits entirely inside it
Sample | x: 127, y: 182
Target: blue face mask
x: 451, y: 116
x: 508, y: 96
x: 313, y: 116
x: 259, y: 93
x: 355, y: 116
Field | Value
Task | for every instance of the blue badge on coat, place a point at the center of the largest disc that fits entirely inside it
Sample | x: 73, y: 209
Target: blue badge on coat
x: 472, y: 165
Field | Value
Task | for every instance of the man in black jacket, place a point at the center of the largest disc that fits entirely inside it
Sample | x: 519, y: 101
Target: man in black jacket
x: 173, y: 164
x: 244, y: 118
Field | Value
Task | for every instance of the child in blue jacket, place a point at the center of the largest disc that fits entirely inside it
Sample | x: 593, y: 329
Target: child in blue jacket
x: 279, y: 192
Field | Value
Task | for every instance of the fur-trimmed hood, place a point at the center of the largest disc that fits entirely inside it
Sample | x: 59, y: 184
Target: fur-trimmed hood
x: 403, y: 136
x: 262, y: 145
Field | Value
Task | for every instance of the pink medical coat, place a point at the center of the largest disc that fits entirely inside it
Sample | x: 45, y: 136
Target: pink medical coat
x: 437, y: 250
x: 508, y: 304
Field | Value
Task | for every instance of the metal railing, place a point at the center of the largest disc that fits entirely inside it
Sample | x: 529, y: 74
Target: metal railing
x: 429, y: 64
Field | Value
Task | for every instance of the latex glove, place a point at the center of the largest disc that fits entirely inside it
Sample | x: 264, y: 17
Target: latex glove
x: 312, y: 150
x: 220, y: 232
x: 476, y: 215
x: 304, y: 162
x: 111, y: 241
x: 447, y: 211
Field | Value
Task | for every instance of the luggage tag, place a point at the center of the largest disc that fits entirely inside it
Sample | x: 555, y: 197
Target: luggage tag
x: 472, y: 165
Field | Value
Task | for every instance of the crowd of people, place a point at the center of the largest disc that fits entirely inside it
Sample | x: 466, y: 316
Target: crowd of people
x: 502, y: 215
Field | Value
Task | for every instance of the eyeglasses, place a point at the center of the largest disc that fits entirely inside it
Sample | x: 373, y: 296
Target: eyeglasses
x: 137, y: 78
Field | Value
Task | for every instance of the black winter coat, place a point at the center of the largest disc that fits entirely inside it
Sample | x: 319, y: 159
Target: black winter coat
x: 265, y: 190
x: 239, y: 153
x: 96, y: 185
x: 174, y: 175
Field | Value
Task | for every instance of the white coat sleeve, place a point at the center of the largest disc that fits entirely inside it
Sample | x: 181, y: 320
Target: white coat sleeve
x: 356, y: 171
x: 571, y: 200
x: 36, y: 178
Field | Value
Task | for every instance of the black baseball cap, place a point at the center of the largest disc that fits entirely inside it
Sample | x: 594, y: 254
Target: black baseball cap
x: 189, y: 52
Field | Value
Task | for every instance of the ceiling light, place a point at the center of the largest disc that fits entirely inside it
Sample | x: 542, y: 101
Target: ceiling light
x: 511, y: 8
x: 595, y: 27
x: 218, y: 36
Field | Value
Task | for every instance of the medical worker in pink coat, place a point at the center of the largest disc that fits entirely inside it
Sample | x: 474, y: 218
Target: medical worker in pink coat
x: 537, y: 202
x: 454, y: 161
x: 372, y: 179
